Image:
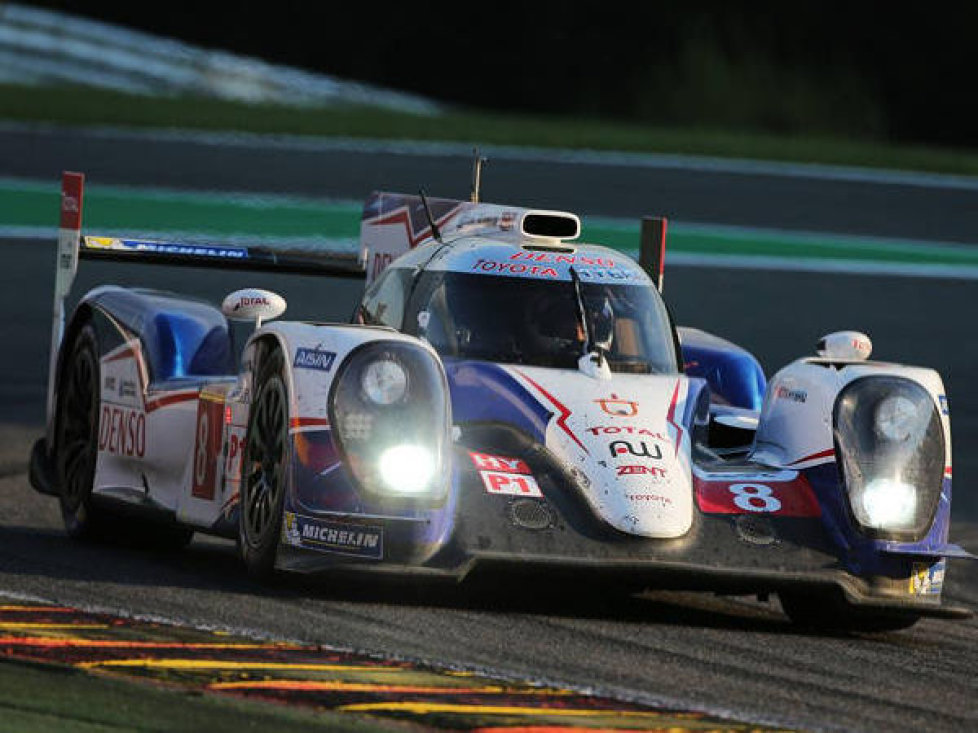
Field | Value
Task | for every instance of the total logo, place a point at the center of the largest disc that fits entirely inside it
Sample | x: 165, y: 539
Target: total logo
x: 626, y: 430
x: 618, y: 407
x: 247, y: 302
x: 619, y: 448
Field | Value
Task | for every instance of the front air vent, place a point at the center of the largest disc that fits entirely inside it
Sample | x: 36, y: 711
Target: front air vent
x: 550, y: 224
x: 529, y: 514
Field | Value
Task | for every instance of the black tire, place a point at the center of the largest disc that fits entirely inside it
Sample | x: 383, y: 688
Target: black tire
x: 832, y: 613
x: 76, y: 437
x: 264, y: 469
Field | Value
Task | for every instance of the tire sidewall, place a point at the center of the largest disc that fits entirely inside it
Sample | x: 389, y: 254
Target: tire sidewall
x: 259, y: 553
x: 78, y: 515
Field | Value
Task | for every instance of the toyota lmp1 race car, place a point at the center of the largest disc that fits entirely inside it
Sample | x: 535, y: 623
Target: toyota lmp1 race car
x: 505, y: 399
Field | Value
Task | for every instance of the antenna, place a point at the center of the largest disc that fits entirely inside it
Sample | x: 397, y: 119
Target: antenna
x: 477, y: 164
x: 436, y: 233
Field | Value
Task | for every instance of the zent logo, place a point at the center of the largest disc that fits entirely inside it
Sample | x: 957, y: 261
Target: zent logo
x: 619, y: 448
x: 641, y: 471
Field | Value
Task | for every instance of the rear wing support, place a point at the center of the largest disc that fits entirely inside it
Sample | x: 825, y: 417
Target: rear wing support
x: 652, y: 248
x: 69, y: 237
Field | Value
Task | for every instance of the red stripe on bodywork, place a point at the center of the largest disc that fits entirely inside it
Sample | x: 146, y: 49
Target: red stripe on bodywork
x: 401, y: 217
x: 307, y: 422
x: 170, y: 399
x: 127, y: 353
x: 671, y: 416
x: 830, y: 453
x: 561, y: 408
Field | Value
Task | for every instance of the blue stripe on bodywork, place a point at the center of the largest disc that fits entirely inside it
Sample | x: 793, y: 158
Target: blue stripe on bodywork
x: 485, y: 392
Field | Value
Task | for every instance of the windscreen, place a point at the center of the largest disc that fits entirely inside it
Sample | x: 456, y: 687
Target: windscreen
x: 537, y: 322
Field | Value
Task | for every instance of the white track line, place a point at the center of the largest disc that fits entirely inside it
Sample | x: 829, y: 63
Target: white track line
x: 420, y: 148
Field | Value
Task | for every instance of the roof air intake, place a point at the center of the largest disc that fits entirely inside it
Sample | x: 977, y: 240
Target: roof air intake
x: 550, y: 225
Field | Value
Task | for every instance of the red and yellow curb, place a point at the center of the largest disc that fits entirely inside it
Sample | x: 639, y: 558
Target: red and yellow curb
x: 316, y: 676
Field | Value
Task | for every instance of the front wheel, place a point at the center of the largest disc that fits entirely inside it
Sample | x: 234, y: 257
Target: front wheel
x: 832, y: 613
x: 264, y: 469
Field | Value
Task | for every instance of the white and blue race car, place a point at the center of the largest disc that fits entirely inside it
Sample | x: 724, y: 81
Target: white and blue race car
x: 505, y: 400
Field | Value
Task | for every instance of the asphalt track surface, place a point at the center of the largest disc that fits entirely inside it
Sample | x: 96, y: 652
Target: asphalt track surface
x: 735, y: 656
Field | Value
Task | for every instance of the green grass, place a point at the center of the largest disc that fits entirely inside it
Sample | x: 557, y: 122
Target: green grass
x: 36, y: 697
x: 78, y: 106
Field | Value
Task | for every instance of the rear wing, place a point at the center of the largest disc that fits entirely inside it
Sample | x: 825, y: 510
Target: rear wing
x: 72, y: 247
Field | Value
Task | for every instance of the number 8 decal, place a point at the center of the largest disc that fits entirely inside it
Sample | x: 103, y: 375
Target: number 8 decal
x: 203, y: 433
x: 745, y: 496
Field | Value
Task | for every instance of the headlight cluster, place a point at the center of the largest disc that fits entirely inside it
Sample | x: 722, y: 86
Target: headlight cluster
x: 891, y: 452
x: 390, y: 412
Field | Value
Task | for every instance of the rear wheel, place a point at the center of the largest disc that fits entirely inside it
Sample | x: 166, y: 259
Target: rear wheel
x: 77, y: 435
x: 76, y: 452
x: 264, y: 469
x: 832, y: 613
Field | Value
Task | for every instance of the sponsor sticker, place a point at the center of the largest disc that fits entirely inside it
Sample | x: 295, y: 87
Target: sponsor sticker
x: 511, y: 484
x: 618, y: 407
x: 654, y: 471
x: 207, y: 446
x: 650, y: 498
x: 562, y: 259
x: 792, y: 395
x: 944, y: 408
x: 619, y: 449
x: 335, y: 537
x: 626, y: 430
x: 505, y: 475
x: 167, y: 248
x: 510, y: 268
x: 489, y: 462
x: 793, y: 498
x: 314, y: 359
x: 927, y: 579
x: 122, y: 432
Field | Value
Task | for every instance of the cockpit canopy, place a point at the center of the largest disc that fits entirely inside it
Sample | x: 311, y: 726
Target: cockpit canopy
x: 518, y: 320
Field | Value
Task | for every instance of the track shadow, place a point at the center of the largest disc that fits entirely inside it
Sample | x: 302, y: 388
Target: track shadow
x: 47, y: 558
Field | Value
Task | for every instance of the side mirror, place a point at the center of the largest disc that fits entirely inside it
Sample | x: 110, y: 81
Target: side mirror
x: 253, y: 304
x: 845, y: 346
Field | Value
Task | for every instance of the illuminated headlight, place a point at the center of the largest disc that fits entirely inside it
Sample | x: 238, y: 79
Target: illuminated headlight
x: 407, y: 469
x: 391, y: 418
x: 891, y: 454
x: 888, y: 503
x: 384, y: 382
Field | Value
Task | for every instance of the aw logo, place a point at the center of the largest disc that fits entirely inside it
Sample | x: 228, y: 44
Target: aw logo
x: 619, y: 448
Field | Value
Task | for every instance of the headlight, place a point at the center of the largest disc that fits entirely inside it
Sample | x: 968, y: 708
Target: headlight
x: 890, y: 447
x: 407, y: 469
x: 896, y: 418
x: 390, y: 413
x: 384, y: 381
